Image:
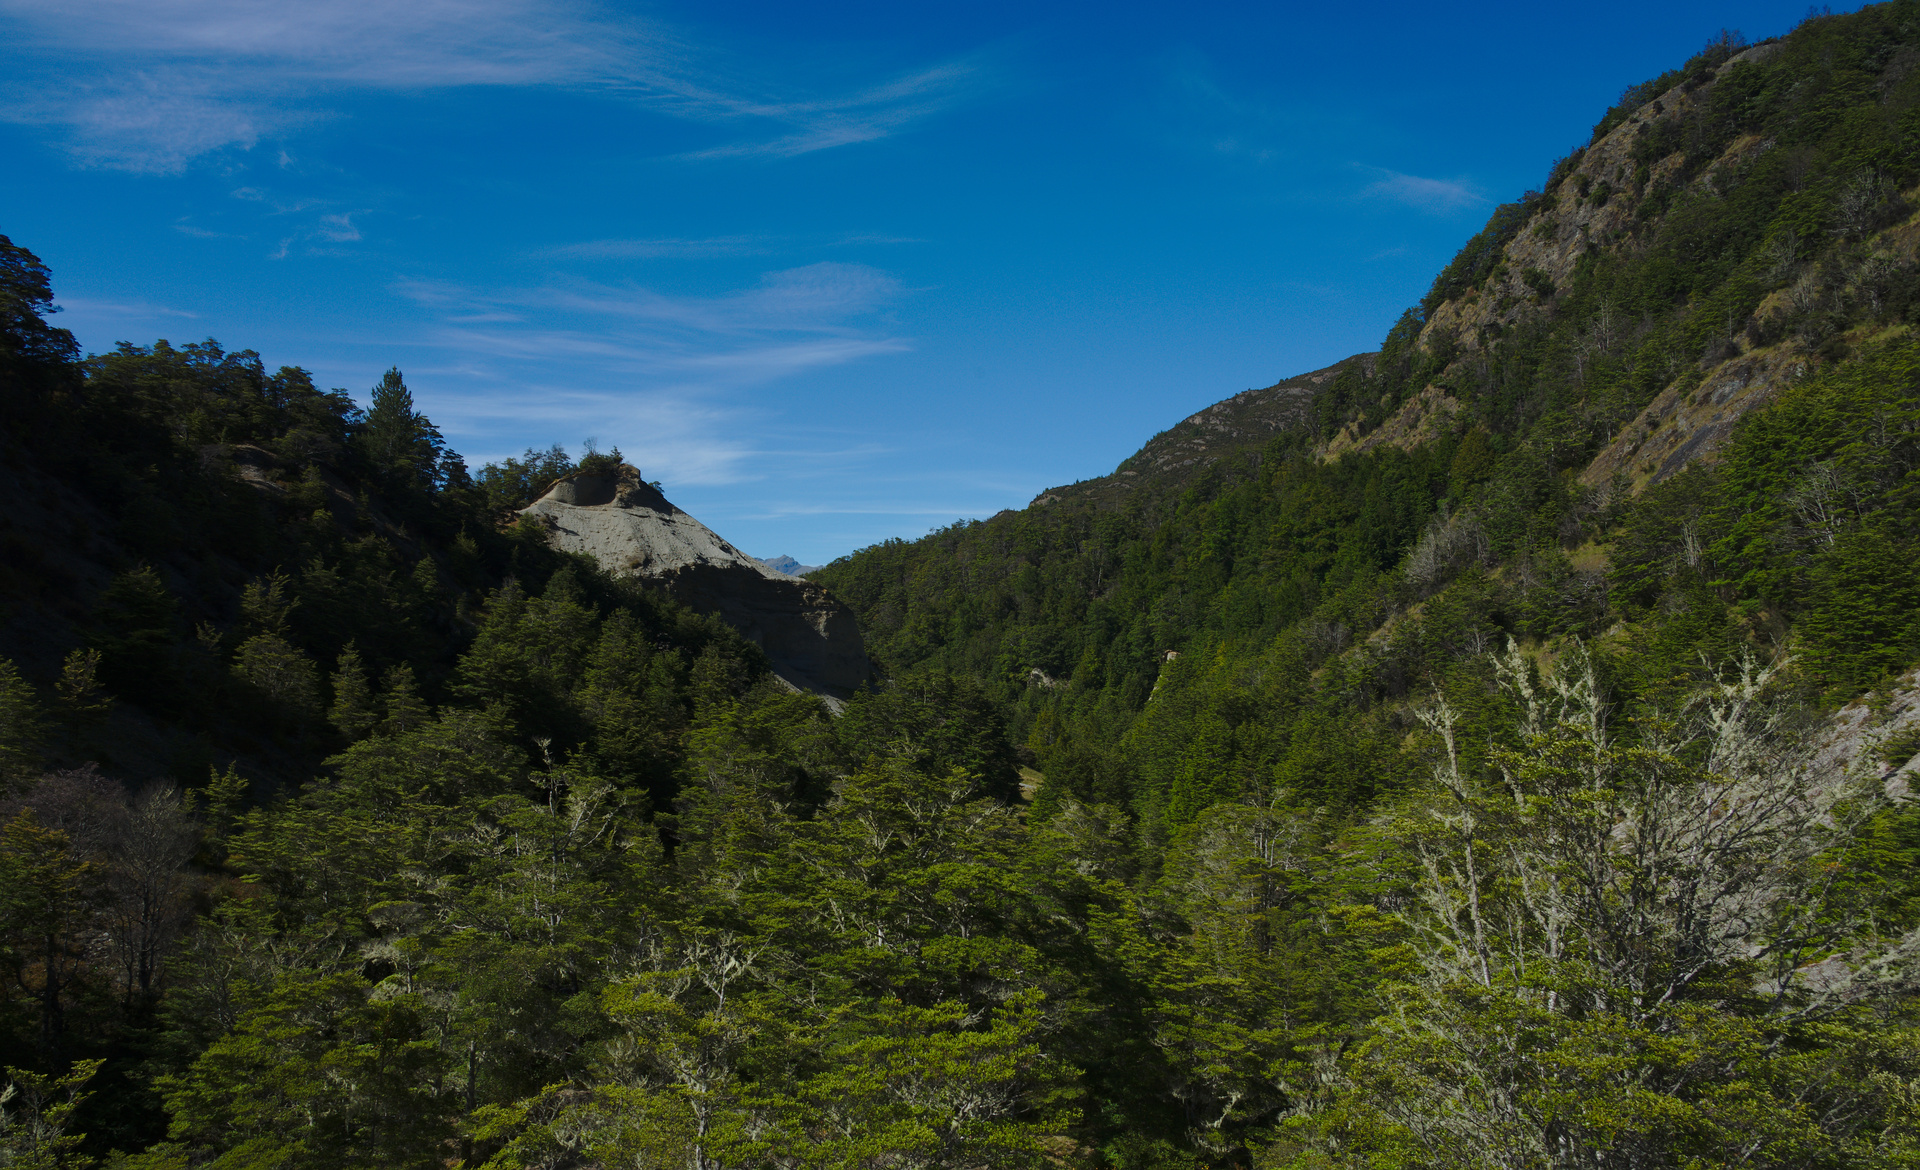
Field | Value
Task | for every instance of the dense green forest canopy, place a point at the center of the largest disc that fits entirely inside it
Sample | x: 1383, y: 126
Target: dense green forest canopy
x: 1399, y: 797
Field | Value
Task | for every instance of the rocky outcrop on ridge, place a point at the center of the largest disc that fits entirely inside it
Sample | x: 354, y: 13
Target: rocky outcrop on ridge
x: 1241, y: 425
x: 809, y: 637
x: 1597, y: 205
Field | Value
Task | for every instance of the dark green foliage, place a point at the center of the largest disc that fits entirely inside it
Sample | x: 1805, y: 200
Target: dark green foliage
x: 1470, y: 268
x: 1862, y: 619
x: 352, y: 713
x: 27, y: 341
x: 138, y: 636
x: 515, y: 483
x: 400, y: 444
x: 941, y: 722
x: 1717, y: 51
x: 597, y: 462
x: 1050, y: 589
x: 22, y: 730
x: 1422, y: 806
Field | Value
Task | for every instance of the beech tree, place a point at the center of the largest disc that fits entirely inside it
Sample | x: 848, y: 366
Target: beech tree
x: 47, y: 896
x: 1631, y: 945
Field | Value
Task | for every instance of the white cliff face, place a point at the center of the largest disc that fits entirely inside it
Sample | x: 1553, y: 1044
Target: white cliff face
x: 632, y: 530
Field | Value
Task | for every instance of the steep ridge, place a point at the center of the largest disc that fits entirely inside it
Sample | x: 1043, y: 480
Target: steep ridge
x: 1241, y: 425
x: 1605, y: 198
x: 1737, y: 234
x: 1610, y: 198
x: 810, y: 638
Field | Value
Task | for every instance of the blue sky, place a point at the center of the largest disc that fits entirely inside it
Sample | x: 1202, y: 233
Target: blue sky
x: 834, y: 273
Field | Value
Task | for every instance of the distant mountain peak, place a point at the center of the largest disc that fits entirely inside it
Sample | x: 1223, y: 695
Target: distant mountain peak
x: 786, y: 564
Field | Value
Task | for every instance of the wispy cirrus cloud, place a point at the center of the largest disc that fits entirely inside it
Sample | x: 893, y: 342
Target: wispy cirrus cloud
x: 1439, y: 196
x: 338, y: 228
x: 816, y: 298
x: 862, y: 116
x: 652, y: 363
x: 653, y: 249
x: 708, y: 247
x: 1204, y: 112
x: 151, y: 85
x: 134, y: 310
x: 1238, y: 125
x: 671, y: 434
x: 200, y: 233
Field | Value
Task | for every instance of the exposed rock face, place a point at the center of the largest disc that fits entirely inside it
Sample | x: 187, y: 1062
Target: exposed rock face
x: 1420, y: 419
x: 1856, y: 737
x: 1595, y: 209
x: 810, y: 638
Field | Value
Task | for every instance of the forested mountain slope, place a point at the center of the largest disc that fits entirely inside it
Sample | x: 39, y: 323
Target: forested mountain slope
x: 202, y: 556
x: 1439, y: 762
x: 1737, y: 230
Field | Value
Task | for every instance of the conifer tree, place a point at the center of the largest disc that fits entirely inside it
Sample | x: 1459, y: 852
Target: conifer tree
x: 400, y: 700
x: 21, y: 728
x: 403, y: 446
x: 82, y: 702
x: 352, y: 712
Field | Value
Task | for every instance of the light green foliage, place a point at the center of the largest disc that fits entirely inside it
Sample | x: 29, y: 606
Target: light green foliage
x: 1618, y: 936
x: 35, y: 1114
x: 322, y: 1073
x: 927, y: 1087
x: 265, y: 606
x: 279, y: 674
x: 352, y: 713
x: 78, y: 689
x: 45, y: 895
x: 401, y: 706
x: 21, y: 729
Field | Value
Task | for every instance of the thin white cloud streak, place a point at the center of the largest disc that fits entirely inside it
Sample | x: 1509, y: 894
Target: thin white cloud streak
x: 1440, y: 196
x: 200, y: 233
x: 775, y: 361
x: 680, y: 437
x: 338, y: 228
x: 423, y: 44
x: 714, y: 246
x: 667, y: 364
x: 663, y: 248
x: 136, y: 310
x: 151, y: 85
x: 863, y: 117
x: 1206, y: 114
x: 814, y: 298
x: 654, y: 358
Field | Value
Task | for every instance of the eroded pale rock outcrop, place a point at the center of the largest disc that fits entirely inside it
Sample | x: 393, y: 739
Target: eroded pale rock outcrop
x: 1857, y: 738
x: 809, y: 637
